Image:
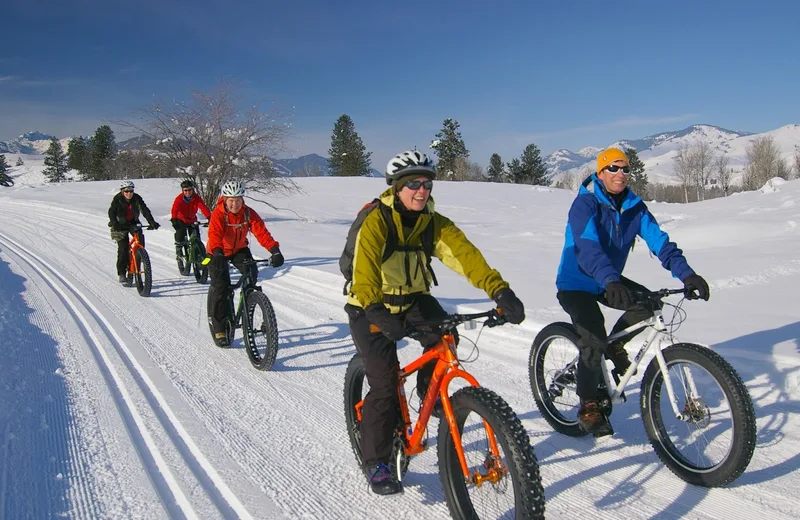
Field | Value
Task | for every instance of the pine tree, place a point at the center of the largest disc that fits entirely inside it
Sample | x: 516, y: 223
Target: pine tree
x: 102, y: 150
x: 449, y: 146
x: 496, y: 171
x: 534, y: 170
x: 3, y: 164
x: 638, y: 179
x: 348, y: 155
x: 78, y: 155
x: 515, y: 171
x: 56, y: 161
x: 20, y: 162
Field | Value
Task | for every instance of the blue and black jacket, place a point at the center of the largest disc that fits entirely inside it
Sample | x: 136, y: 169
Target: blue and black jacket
x: 600, y: 233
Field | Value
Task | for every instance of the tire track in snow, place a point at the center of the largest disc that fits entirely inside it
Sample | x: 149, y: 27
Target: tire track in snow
x: 174, y: 500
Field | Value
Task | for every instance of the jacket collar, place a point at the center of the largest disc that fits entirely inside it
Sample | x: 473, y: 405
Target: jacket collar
x: 593, y: 185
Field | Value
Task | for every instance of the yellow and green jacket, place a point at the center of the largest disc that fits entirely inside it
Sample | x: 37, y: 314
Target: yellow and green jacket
x: 387, y: 282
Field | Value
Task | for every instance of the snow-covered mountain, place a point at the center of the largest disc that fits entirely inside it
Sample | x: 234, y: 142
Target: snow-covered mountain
x: 31, y: 143
x: 658, y: 151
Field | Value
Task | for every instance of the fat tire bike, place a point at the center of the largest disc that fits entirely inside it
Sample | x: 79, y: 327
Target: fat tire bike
x: 697, y: 412
x: 192, y: 253
x: 260, y: 330
x: 140, y: 272
x: 487, y: 465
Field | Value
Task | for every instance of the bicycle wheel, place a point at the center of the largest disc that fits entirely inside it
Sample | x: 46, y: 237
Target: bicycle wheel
x: 552, y: 371
x: 143, y: 277
x: 356, y: 388
x: 508, y: 486
x: 260, y: 331
x: 200, y: 270
x: 711, y: 445
x: 184, y: 266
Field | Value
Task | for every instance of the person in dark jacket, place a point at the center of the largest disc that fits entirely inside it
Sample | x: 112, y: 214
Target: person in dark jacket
x: 184, y: 213
x: 123, y: 214
x: 604, y: 220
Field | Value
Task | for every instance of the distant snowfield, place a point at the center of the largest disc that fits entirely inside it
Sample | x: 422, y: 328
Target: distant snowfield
x: 116, y: 406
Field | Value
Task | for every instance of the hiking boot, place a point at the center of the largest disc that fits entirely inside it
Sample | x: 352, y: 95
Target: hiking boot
x: 617, y: 354
x: 382, y: 481
x: 123, y: 278
x: 592, y: 419
x: 221, y: 339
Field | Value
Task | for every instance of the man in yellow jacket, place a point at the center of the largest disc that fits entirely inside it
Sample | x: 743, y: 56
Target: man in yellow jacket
x: 388, y: 292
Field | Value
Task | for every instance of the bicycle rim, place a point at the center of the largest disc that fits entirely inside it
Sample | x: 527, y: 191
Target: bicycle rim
x: 262, y: 331
x: 502, y: 485
x: 554, y: 373
x: 713, y: 442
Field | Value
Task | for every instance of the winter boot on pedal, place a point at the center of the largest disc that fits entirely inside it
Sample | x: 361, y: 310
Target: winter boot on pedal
x: 382, y: 481
x: 592, y: 419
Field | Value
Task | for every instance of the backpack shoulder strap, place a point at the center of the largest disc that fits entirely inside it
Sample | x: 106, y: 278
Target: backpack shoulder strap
x: 427, y: 246
x: 391, y: 237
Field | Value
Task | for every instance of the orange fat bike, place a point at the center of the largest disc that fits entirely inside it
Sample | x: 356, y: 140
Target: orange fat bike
x: 139, y: 270
x: 487, y: 466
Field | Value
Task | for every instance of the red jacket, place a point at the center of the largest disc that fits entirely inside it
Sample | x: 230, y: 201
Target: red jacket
x: 228, y: 231
x: 186, y: 211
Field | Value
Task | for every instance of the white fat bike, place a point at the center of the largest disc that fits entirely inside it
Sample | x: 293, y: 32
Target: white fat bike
x: 696, y: 410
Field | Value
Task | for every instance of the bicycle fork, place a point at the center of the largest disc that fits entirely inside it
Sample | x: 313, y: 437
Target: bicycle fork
x: 657, y: 327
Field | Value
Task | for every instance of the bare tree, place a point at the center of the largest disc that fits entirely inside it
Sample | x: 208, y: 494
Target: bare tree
x: 215, y: 137
x: 723, y: 173
x: 763, y: 163
x: 466, y: 170
x: 797, y: 162
x: 700, y: 158
x: 682, y: 169
x: 567, y: 181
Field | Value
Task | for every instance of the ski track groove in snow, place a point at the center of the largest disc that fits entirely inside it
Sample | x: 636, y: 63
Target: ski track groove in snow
x: 161, y: 474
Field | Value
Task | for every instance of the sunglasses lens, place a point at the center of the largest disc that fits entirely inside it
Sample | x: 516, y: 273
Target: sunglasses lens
x: 614, y: 169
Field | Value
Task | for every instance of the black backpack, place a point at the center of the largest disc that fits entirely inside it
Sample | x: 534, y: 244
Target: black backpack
x: 346, y: 259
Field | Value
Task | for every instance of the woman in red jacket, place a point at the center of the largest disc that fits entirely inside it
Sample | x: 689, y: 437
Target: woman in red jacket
x: 230, y: 224
x: 184, y: 213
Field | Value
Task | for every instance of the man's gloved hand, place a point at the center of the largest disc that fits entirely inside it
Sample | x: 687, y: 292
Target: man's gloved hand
x: 154, y: 225
x: 276, y: 260
x: 390, y: 324
x: 619, y: 296
x: 111, y: 224
x: 512, y: 307
x: 218, y: 252
x: 695, y: 282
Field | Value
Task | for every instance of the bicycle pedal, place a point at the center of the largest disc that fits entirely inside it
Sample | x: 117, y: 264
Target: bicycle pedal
x: 603, y: 431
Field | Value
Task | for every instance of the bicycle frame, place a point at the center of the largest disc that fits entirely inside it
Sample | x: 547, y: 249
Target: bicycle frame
x: 447, y: 368
x: 656, y: 327
x: 133, y: 266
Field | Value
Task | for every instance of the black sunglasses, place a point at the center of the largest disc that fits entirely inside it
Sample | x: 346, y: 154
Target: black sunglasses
x: 614, y: 169
x: 188, y: 189
x: 415, y: 185
x: 127, y: 191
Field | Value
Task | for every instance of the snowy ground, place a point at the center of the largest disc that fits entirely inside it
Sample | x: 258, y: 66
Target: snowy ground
x: 116, y: 406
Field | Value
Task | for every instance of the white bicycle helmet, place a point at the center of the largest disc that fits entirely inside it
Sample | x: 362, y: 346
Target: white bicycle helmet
x: 233, y: 189
x: 126, y: 185
x: 408, y: 163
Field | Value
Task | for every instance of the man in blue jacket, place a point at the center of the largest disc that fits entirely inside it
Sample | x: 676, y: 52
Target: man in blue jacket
x: 603, y: 223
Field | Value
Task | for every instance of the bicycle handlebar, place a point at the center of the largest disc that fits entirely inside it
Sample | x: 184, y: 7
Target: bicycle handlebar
x: 247, y: 262
x: 494, y: 317
x: 647, y: 296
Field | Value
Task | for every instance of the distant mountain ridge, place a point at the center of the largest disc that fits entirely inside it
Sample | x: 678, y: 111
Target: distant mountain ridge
x: 31, y: 143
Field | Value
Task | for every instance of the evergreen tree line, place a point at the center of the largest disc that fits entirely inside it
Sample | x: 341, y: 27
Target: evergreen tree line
x: 93, y: 158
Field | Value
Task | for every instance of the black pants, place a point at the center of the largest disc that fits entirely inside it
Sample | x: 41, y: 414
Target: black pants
x: 182, y: 231
x: 219, y: 291
x: 585, y: 312
x: 381, y: 411
x: 123, y: 253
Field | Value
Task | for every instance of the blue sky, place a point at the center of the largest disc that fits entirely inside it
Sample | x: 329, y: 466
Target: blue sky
x: 564, y: 74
